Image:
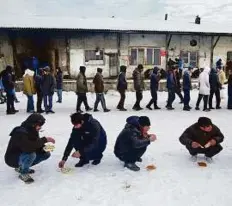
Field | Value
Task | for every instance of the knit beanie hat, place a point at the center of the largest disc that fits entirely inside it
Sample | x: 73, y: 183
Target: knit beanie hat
x: 144, y: 121
x: 204, y: 122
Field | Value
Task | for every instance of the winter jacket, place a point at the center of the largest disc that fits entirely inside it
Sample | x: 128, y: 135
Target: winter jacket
x: 154, y: 81
x: 204, y: 86
x: 214, y: 80
x: 90, y: 138
x: 187, y: 85
x: 195, y: 134
x: 24, y: 138
x: 98, y: 83
x: 130, y: 137
x: 28, y: 83
x: 59, y: 80
x: 122, y: 82
x: 138, y: 80
x: 81, y: 83
x: 48, y: 84
x: 222, y: 77
x: 171, y: 82
x: 38, y: 83
x: 7, y: 81
x: 230, y: 86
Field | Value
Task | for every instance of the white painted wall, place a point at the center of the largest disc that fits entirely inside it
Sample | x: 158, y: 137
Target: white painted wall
x: 6, y: 49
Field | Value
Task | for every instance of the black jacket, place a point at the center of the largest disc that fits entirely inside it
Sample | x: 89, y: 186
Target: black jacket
x: 24, y: 139
x: 195, y: 134
x: 214, y: 80
x: 48, y: 84
x: 130, y: 138
x: 90, y: 138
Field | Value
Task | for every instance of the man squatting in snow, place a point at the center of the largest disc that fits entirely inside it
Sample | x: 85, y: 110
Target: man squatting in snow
x: 132, y: 142
x: 202, y: 137
x: 25, y: 148
x: 88, y: 138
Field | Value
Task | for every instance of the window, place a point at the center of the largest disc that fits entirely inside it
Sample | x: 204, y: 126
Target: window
x: 92, y: 55
x: 189, y: 58
x: 147, y: 56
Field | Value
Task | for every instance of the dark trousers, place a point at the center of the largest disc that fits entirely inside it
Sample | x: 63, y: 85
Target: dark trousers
x: 26, y: 160
x: 139, y: 97
x: 10, y: 102
x: 48, y: 102
x: 122, y: 99
x: 171, y: 97
x: 200, y: 96
x: 218, y: 98
x: 229, y: 105
x: 209, y: 152
x: 39, y: 101
x: 132, y: 155
x: 186, y: 97
x: 178, y: 92
x: 100, y: 98
x: 154, y: 99
x: 93, y: 154
x: 82, y: 98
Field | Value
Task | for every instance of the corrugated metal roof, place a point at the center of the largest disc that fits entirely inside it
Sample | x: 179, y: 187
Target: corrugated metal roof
x: 113, y: 24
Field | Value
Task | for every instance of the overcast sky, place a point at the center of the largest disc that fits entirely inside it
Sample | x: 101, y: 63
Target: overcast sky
x: 210, y: 10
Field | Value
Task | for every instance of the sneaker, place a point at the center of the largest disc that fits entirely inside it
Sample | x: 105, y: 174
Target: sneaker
x: 30, y: 171
x: 211, y: 108
x: 106, y: 110
x: 156, y: 107
x: 81, y: 163
x: 26, y: 178
x: 96, y: 110
x: 139, y: 159
x: 132, y: 166
x: 123, y: 109
x: 10, y: 112
x: 208, y: 159
x: 218, y: 107
x: 206, y: 110
x: 197, y: 108
x: 96, y: 162
x: 186, y: 109
x: 148, y: 107
x: 193, y: 158
x: 88, y: 109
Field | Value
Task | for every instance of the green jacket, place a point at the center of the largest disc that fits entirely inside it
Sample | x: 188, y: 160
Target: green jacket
x: 81, y: 83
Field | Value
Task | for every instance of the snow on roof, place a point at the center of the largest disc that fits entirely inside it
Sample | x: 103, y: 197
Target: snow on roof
x: 113, y: 24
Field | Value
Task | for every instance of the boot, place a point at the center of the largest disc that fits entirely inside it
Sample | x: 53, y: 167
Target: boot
x: 81, y: 163
x: 96, y: 162
x: 132, y: 166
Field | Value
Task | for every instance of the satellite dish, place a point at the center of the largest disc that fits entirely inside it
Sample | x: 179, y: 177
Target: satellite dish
x: 193, y: 42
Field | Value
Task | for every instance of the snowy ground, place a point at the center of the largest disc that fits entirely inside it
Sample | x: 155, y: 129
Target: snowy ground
x: 175, y: 182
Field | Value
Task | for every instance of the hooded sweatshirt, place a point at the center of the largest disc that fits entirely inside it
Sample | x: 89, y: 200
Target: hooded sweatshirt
x: 204, y: 86
x: 29, y: 83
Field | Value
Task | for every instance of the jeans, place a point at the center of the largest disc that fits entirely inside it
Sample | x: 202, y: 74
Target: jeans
x: 209, y: 152
x: 48, y: 102
x: 186, y: 97
x: 122, y: 99
x: 153, y: 99
x: 30, y: 103
x: 100, y: 98
x: 139, y: 97
x: 132, y: 155
x: 59, y: 95
x: 26, y: 160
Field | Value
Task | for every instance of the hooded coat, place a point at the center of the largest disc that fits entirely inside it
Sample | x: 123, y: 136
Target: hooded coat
x: 214, y: 80
x: 138, y: 80
x: 204, y: 86
x: 81, y: 81
x: 98, y: 82
x: 154, y: 80
x: 24, y: 138
x: 29, y: 83
x: 130, y: 137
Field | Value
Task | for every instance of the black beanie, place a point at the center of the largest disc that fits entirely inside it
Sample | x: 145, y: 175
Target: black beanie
x: 204, y: 122
x: 144, y: 121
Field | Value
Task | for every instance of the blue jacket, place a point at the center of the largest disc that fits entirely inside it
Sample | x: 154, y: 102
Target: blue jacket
x: 154, y: 81
x: 122, y: 83
x: 130, y: 137
x: 90, y: 139
x: 59, y: 80
x: 187, y: 85
x: 171, y: 84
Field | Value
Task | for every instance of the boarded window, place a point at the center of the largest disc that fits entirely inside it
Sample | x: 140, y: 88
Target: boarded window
x: 157, y: 57
x: 133, y: 59
x: 147, y: 56
x: 92, y: 55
